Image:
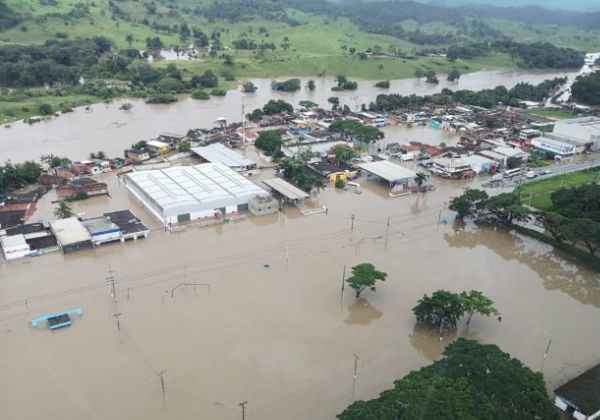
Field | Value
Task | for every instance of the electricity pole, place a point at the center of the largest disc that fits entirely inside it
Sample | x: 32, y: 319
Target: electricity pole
x: 243, y: 406
x: 110, y: 280
x: 118, y: 322
x: 162, y: 380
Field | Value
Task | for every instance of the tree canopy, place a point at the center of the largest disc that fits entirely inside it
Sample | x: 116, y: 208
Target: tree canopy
x: 269, y: 141
x: 586, y: 89
x: 471, y: 381
x: 364, y: 276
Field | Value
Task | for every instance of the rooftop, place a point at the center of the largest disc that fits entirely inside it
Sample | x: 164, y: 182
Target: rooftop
x: 127, y: 221
x: 451, y: 162
x: 13, y: 241
x: 206, y: 184
x: 583, y: 391
x: 99, y: 225
x: 387, y: 170
x: 69, y: 231
x: 324, y: 168
x: 285, y: 188
x: 219, y: 153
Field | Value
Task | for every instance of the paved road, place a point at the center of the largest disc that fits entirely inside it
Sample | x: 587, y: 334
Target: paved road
x: 555, y: 170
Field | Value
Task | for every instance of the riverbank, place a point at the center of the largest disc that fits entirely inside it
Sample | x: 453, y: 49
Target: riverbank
x: 25, y: 103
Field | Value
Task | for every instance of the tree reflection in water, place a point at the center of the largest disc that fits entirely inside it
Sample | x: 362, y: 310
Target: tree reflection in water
x: 361, y: 312
x: 558, y: 270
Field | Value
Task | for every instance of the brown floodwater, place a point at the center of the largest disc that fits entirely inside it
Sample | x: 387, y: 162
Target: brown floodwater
x: 273, y: 328
x: 105, y: 127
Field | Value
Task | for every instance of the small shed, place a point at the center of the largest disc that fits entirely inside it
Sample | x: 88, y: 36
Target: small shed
x: 102, y: 230
x: 71, y: 235
x: 288, y: 191
x: 130, y: 225
x: 580, y: 397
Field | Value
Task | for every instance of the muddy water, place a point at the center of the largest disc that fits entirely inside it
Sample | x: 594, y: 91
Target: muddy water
x: 105, y: 127
x: 274, y: 329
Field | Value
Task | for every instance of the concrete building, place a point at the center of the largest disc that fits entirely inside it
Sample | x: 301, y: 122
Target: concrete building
x: 71, y: 235
x: 389, y: 172
x: 479, y: 164
x: 511, y: 152
x: 583, y: 130
x: 451, y: 168
x: 184, y: 193
x: 158, y: 147
x: 14, y: 247
x: 556, y: 144
x: 37, y: 236
x: 102, y: 230
x: 86, y: 185
x: 218, y: 153
x: 130, y: 226
x: 580, y: 397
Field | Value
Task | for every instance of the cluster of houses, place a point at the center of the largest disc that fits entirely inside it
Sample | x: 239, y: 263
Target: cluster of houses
x: 70, y: 234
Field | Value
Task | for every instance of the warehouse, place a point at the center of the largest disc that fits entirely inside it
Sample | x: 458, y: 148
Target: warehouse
x: 218, y: 153
x: 71, y: 235
x: 388, y: 172
x: 184, y: 193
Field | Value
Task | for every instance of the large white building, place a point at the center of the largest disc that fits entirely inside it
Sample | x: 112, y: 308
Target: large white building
x: 583, y: 130
x: 183, y: 193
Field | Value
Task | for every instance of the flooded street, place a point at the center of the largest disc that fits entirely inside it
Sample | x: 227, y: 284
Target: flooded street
x: 105, y: 127
x: 272, y: 328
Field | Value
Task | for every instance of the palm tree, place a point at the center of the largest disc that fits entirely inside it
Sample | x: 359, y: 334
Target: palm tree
x: 63, y: 211
x: 420, y: 179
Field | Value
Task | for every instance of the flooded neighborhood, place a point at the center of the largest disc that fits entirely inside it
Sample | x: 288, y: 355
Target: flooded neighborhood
x: 304, y: 248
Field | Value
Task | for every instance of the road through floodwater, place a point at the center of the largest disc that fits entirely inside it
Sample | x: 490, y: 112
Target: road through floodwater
x: 274, y: 329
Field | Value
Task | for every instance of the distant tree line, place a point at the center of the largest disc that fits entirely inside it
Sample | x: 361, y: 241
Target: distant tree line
x: 486, y: 98
x: 8, y: 17
x: 53, y: 62
x: 586, y: 89
x: 17, y: 175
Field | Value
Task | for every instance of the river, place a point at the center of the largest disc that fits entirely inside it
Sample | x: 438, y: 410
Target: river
x: 105, y: 127
x: 274, y: 328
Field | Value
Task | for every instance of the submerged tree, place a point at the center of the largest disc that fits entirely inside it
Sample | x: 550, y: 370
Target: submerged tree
x: 475, y: 301
x: 364, y: 276
x: 442, y: 309
x: 63, y: 210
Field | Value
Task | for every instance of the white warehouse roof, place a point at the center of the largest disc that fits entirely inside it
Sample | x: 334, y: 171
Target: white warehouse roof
x: 387, y: 170
x: 189, y: 189
x: 219, y: 153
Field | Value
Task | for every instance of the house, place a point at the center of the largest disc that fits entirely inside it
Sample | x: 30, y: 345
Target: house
x: 77, y: 187
x: 102, y: 230
x: 580, y: 397
x: 479, y: 164
x: 528, y: 134
x: 71, y: 235
x: 130, y: 226
x: 158, y: 147
x: 14, y: 247
x: 138, y: 155
x: 456, y: 168
x: 511, y: 152
x: 332, y: 172
x: 37, y: 236
x: 89, y: 167
x: 56, y: 176
x: 173, y: 139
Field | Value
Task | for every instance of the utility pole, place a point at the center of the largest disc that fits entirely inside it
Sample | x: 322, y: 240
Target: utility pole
x: 110, y: 280
x: 243, y: 123
x: 118, y: 322
x: 343, y: 278
x: 243, y: 406
x: 387, y: 227
x: 162, y: 380
x: 355, y: 375
x: 352, y: 222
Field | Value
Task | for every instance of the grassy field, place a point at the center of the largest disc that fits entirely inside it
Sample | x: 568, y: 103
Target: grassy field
x: 540, y: 191
x: 553, y: 114
x: 18, y: 107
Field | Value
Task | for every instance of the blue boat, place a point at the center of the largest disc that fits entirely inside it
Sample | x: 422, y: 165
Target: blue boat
x: 57, y: 320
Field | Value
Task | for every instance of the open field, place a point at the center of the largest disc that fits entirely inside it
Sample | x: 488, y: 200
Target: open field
x: 553, y: 114
x: 540, y: 191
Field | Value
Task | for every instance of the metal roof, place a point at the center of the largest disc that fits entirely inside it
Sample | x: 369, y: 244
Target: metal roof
x: 183, y: 189
x: 69, y: 231
x: 15, y: 241
x: 583, y: 391
x: 219, y: 153
x: 285, y: 188
x: 387, y: 170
